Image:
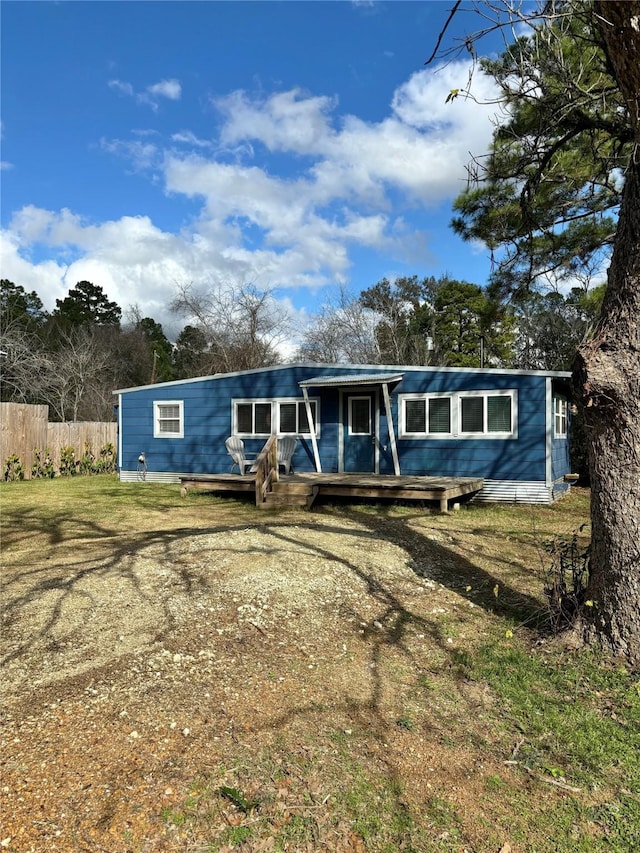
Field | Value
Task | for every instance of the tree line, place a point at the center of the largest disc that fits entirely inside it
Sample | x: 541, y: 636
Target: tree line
x: 73, y: 357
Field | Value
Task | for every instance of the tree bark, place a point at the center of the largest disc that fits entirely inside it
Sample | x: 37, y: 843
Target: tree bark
x: 607, y: 379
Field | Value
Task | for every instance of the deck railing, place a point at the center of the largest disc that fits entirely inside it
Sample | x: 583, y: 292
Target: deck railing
x: 266, y: 469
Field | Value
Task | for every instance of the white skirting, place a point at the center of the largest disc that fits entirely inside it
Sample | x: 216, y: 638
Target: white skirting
x: 516, y: 491
x: 149, y: 477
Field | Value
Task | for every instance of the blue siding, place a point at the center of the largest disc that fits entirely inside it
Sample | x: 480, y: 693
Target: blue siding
x: 560, y: 461
x: 521, y: 458
x: 208, y: 422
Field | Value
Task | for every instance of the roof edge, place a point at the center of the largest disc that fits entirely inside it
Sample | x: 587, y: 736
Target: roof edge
x: 375, y: 368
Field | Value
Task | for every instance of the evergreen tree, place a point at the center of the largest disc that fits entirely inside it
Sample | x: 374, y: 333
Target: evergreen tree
x: 19, y: 308
x: 191, y: 354
x: 545, y: 198
x: 469, y: 329
x: 160, y: 349
x: 86, y: 305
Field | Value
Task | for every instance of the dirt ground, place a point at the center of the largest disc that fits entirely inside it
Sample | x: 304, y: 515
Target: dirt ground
x: 287, y: 659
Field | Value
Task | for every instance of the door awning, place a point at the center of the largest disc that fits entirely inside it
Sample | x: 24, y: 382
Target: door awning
x: 352, y: 380
x: 355, y: 381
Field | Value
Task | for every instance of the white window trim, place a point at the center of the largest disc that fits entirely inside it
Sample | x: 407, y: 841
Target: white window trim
x: 456, y: 416
x: 426, y: 397
x: 512, y: 433
x: 352, y: 398
x: 275, y: 415
x: 156, y: 418
x: 560, y: 414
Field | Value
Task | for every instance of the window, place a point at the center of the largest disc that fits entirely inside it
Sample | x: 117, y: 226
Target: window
x: 264, y: 417
x: 415, y: 416
x: 425, y: 416
x: 292, y: 417
x: 440, y: 414
x: 168, y: 419
x: 472, y: 414
x: 459, y: 415
x: 559, y: 417
x: 486, y: 414
x: 360, y: 416
x: 253, y: 418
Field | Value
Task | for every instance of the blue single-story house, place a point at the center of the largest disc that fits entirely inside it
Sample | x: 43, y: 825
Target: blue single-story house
x: 510, y: 427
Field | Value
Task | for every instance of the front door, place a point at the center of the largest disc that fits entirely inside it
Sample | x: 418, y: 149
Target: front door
x: 359, y: 433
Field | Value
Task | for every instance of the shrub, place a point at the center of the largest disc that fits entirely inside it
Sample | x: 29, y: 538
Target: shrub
x: 13, y: 469
x: 86, y: 465
x: 106, y: 464
x: 68, y: 464
x: 42, y: 464
x: 566, y: 579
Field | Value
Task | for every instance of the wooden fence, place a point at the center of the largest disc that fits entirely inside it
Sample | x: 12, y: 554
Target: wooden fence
x: 25, y: 428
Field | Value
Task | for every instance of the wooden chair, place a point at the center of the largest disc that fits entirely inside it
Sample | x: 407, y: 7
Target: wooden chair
x: 286, y: 449
x: 235, y: 449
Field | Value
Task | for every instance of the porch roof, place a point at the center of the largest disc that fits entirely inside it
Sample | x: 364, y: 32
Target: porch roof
x: 351, y: 380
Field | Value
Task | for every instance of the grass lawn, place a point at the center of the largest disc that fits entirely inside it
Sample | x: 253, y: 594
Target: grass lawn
x: 193, y: 674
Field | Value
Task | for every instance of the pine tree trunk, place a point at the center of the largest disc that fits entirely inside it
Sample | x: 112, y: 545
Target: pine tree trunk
x: 607, y: 378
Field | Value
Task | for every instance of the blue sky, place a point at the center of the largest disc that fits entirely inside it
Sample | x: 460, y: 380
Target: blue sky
x: 301, y: 146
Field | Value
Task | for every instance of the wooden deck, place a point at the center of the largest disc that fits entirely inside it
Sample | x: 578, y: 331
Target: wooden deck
x: 302, y: 489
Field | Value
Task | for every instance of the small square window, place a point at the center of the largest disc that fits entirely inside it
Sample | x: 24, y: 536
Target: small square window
x: 168, y: 420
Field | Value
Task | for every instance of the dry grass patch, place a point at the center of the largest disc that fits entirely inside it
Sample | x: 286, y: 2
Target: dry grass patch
x: 194, y: 675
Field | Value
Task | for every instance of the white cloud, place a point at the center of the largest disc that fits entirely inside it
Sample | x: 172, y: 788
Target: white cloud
x: 45, y: 277
x: 420, y: 148
x: 187, y: 137
x: 286, y: 121
x: 170, y: 89
x: 120, y: 86
x: 141, y: 155
x: 349, y: 184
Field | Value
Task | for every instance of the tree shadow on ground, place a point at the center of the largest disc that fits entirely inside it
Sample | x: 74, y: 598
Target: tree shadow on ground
x: 430, y: 559
x: 100, y: 551
x: 107, y: 553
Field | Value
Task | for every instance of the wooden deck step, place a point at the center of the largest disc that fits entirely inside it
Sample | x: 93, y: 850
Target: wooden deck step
x: 300, y: 495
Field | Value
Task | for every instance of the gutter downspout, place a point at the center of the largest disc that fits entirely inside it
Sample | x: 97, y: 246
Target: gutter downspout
x: 312, y: 428
x: 392, y: 431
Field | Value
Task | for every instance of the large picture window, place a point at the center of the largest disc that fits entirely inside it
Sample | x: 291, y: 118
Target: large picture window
x: 458, y: 415
x: 168, y: 419
x: 282, y: 417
